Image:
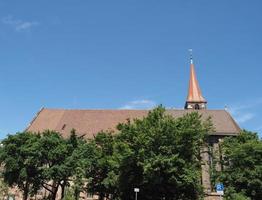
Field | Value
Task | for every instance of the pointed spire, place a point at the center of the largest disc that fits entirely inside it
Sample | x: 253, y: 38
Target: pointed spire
x: 195, y: 100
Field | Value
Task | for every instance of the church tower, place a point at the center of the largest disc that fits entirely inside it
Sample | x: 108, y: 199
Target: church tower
x: 195, y: 100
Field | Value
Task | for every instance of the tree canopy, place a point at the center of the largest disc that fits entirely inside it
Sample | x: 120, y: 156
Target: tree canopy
x: 161, y: 156
x: 158, y: 154
x: 242, y: 163
x: 34, y: 161
x: 22, y: 168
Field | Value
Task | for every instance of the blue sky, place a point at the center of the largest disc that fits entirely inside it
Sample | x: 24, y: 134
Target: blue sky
x: 128, y: 54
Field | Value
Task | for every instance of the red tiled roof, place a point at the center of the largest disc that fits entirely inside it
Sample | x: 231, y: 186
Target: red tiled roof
x: 89, y: 122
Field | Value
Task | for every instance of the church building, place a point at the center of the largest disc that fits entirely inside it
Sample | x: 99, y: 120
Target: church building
x: 89, y: 122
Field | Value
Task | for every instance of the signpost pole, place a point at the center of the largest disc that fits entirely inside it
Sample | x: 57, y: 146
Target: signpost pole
x: 136, y: 190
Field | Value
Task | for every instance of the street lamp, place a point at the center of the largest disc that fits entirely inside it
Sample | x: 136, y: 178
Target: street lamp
x: 136, y: 190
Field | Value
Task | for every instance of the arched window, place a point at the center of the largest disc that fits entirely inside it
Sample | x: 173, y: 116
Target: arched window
x: 197, y: 107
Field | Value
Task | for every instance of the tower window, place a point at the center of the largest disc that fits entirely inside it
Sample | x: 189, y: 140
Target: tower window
x: 197, y: 107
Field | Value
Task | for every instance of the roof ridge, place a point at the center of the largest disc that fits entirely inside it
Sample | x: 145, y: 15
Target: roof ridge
x: 96, y: 109
x: 111, y: 109
x: 32, y: 121
x: 234, y: 122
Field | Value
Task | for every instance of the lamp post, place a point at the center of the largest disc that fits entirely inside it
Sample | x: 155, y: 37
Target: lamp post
x: 136, y: 190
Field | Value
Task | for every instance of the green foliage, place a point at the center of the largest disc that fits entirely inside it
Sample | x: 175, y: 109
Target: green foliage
x: 102, y: 173
x: 69, y: 194
x: 158, y: 154
x: 232, y: 194
x: 21, y: 166
x: 32, y: 161
x: 63, y: 161
x: 243, y: 165
x: 161, y: 156
x: 54, y: 152
x: 82, y: 157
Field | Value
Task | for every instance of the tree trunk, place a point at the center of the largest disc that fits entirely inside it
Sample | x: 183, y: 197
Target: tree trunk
x: 63, y: 190
x: 26, y: 191
x: 101, y: 196
x: 54, y: 191
x: 25, y: 194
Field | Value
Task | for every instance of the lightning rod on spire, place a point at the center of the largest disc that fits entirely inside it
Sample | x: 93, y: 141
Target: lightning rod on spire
x: 191, y: 55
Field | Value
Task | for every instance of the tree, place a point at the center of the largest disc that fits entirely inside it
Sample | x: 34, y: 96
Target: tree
x: 53, y: 153
x: 21, y: 167
x: 161, y: 156
x: 61, y: 161
x: 81, y: 157
x: 242, y: 165
x: 73, y: 164
x: 102, y: 171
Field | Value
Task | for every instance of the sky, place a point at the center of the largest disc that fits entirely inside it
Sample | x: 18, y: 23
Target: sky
x: 83, y: 54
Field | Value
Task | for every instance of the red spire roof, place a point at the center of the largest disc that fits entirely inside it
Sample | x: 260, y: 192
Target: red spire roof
x: 194, y: 92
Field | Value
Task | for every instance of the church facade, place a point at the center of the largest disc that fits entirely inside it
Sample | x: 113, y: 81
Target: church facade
x: 89, y: 122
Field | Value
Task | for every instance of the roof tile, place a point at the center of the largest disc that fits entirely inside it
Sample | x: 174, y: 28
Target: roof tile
x: 90, y: 122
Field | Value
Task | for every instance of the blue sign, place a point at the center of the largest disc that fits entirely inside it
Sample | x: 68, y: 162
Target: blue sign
x: 219, y: 187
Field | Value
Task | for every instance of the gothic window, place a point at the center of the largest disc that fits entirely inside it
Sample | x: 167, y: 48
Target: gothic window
x: 197, y: 107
